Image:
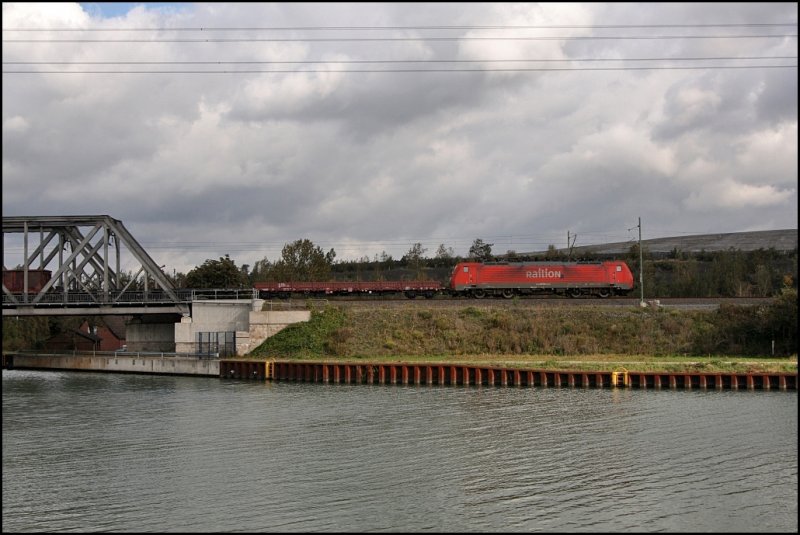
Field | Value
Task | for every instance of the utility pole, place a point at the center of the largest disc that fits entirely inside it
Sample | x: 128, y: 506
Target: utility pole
x: 569, y: 245
x: 641, y: 266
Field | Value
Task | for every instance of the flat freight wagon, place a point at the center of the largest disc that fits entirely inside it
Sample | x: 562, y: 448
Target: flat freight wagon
x: 410, y: 289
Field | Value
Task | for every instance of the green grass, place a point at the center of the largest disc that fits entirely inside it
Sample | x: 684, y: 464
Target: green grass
x: 584, y: 339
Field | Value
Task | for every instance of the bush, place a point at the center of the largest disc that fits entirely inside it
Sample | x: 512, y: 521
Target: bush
x: 743, y: 330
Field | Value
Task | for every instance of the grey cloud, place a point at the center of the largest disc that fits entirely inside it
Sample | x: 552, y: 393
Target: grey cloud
x: 777, y: 102
x: 379, y: 161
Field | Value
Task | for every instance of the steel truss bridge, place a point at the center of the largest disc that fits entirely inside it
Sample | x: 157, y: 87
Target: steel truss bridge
x: 81, y: 255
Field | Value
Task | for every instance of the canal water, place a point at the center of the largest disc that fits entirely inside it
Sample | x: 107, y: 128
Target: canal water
x: 124, y: 453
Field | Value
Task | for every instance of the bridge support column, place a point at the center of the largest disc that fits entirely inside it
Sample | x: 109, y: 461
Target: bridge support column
x: 147, y: 333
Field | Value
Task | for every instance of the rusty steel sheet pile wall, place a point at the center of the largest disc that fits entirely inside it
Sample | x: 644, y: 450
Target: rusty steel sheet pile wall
x: 447, y: 374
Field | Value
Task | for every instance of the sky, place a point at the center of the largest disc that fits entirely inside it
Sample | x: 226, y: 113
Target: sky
x: 555, y: 120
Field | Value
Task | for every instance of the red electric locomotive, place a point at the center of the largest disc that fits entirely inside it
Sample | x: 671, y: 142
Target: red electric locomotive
x: 507, y: 279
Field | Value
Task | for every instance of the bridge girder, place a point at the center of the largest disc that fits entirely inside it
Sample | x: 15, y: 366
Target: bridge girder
x: 76, y: 250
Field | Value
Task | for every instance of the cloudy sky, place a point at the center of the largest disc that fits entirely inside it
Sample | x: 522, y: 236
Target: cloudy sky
x: 554, y: 119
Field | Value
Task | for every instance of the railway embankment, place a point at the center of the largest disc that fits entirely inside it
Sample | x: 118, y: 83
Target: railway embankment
x: 732, y: 338
x: 733, y: 346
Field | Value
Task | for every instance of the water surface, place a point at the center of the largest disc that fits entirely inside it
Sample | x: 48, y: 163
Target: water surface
x: 113, y: 452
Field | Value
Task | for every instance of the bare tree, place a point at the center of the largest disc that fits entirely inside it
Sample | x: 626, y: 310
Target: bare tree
x: 414, y: 258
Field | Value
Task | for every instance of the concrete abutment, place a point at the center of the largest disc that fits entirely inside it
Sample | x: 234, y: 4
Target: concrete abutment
x: 242, y: 320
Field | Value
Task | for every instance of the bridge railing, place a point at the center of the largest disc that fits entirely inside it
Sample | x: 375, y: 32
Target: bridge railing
x: 213, y: 294
x: 136, y: 297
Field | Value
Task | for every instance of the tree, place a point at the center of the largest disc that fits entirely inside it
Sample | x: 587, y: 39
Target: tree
x: 177, y: 278
x: 782, y: 319
x: 25, y: 332
x: 301, y: 260
x: 221, y: 273
x: 415, y: 253
x: 126, y: 280
x: 414, y: 258
x: 480, y: 251
x: 552, y: 253
x: 261, y: 270
x: 444, y: 253
x: 763, y: 278
x: 330, y: 256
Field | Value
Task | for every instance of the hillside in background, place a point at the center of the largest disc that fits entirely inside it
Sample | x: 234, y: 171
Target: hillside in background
x: 737, y: 264
x: 780, y: 240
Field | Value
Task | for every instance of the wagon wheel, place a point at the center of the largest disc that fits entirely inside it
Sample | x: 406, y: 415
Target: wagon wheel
x: 479, y: 294
x: 604, y: 292
x: 508, y: 293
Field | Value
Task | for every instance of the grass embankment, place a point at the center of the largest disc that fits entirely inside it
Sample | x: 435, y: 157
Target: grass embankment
x: 596, y: 338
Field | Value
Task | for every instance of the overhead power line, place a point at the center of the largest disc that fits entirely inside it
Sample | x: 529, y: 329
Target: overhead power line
x: 418, y: 38
x: 415, y: 70
x: 290, y: 71
x: 357, y: 28
x: 390, y: 61
x: 514, y: 65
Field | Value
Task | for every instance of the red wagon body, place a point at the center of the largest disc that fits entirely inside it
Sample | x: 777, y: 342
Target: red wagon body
x: 14, y: 280
x: 409, y: 288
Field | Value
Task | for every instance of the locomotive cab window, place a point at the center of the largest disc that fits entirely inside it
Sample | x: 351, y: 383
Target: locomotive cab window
x: 466, y: 269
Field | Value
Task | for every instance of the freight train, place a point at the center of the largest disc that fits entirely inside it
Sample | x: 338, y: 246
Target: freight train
x: 468, y: 279
x: 483, y: 279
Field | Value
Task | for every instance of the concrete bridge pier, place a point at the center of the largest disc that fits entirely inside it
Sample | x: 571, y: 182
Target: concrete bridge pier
x: 151, y: 333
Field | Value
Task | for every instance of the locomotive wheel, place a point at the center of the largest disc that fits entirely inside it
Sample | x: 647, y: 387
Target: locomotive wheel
x: 604, y: 292
x: 479, y: 294
x: 574, y: 292
x: 411, y: 295
x: 508, y: 293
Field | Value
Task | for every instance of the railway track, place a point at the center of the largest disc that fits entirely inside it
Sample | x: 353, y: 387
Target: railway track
x: 528, y: 302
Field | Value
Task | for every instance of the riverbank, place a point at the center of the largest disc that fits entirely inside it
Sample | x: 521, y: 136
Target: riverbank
x: 587, y: 363
x: 176, y: 364
x: 731, y: 339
